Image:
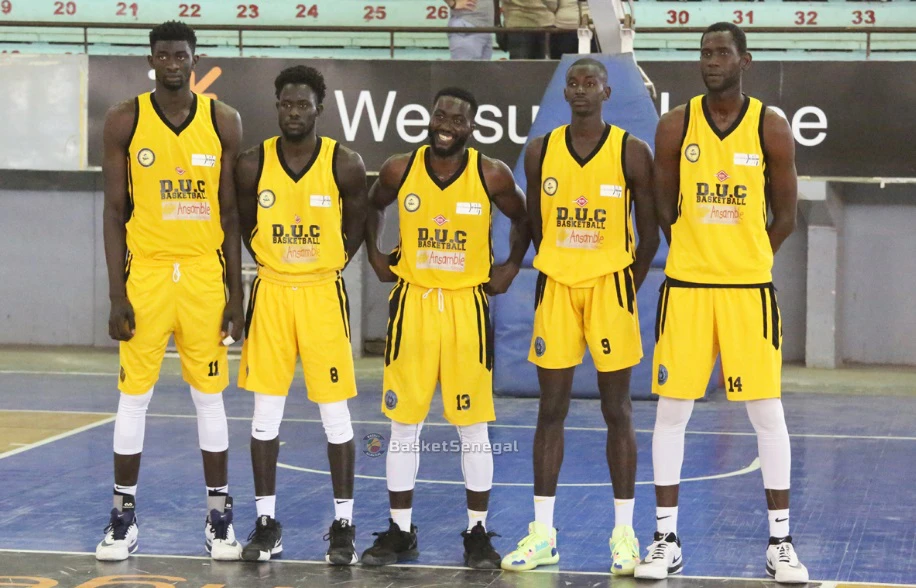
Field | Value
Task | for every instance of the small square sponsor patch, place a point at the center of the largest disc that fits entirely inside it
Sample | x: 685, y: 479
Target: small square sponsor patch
x: 747, y: 159
x: 320, y: 201
x: 469, y: 208
x: 201, y: 160
x: 611, y: 191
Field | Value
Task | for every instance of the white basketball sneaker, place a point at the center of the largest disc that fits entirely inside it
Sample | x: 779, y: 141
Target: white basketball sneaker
x: 783, y: 564
x: 663, y: 557
x: 120, y: 535
x: 220, y: 536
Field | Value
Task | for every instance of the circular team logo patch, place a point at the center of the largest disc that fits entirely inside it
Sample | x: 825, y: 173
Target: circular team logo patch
x: 146, y: 157
x: 662, y: 375
x: 391, y: 400
x: 411, y: 202
x: 266, y: 199
x: 539, y: 347
x: 550, y: 186
x: 692, y: 153
x: 374, y: 445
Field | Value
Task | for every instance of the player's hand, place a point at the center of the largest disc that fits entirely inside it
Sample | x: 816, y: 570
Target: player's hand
x: 233, y: 315
x: 500, y: 278
x: 121, y: 322
x: 380, y: 264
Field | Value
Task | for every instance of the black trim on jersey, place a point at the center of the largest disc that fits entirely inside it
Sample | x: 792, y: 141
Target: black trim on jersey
x: 767, y: 196
x: 572, y: 151
x: 397, y: 339
x: 631, y: 291
x: 187, y: 122
x: 394, y: 302
x: 480, y: 335
x: 626, y: 192
x: 213, y: 120
x: 774, y: 314
x: 540, y: 286
x: 222, y: 263
x: 673, y: 283
x: 617, y: 283
x: 133, y: 129
x: 130, y: 188
x: 127, y: 260
x: 662, y: 310
x: 763, y: 306
x: 344, y: 304
x: 260, y: 164
x: 488, y: 330
x: 292, y: 175
x: 255, y: 286
x: 544, y: 153
x: 394, y: 257
x: 738, y: 120
x: 413, y: 156
x: 334, y: 155
x: 445, y: 184
x: 483, y: 181
x: 686, y: 126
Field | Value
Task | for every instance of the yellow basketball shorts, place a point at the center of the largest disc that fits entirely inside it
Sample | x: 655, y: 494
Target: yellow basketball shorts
x: 696, y: 323
x: 184, y: 298
x: 602, y: 316
x: 311, y: 321
x: 440, y: 336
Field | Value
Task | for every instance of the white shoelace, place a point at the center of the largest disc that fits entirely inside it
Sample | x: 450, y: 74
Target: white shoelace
x: 784, y: 553
x: 660, y: 551
x: 441, y: 298
x: 176, y: 273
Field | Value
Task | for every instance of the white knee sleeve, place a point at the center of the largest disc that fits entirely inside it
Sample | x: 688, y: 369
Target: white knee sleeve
x: 403, y: 460
x: 268, y: 413
x: 212, y: 427
x: 335, y: 417
x: 130, y: 423
x: 476, y: 457
x: 668, y: 439
x: 769, y: 422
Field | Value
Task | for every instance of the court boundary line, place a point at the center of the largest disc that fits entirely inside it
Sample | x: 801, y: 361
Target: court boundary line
x: 496, y: 425
x: 823, y: 583
x: 57, y: 437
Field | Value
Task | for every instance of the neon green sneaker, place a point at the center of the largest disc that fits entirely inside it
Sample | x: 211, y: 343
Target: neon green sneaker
x: 624, y: 550
x: 538, y: 548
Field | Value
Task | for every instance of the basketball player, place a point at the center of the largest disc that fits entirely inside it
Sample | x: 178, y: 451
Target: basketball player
x: 583, y: 180
x: 726, y: 199
x: 302, y: 201
x: 439, y: 317
x: 172, y: 247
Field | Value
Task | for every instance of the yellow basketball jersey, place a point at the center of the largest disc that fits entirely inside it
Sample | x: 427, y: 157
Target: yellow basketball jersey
x: 585, y: 209
x: 299, y: 229
x: 173, y: 183
x: 720, y: 235
x: 444, y: 226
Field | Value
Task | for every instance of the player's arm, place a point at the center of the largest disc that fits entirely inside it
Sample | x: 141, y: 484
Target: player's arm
x: 229, y: 124
x: 351, y: 173
x: 668, y: 137
x: 779, y: 151
x: 509, y: 199
x: 533, y: 189
x: 246, y: 189
x: 383, y: 192
x: 642, y: 187
x: 116, y: 139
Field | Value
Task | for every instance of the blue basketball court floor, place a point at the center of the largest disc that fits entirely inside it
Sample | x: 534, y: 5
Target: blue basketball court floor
x: 853, y: 494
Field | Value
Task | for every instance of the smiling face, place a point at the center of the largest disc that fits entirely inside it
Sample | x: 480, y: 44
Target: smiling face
x: 721, y: 63
x: 450, y: 126
x: 586, y: 89
x: 173, y: 62
x: 297, y: 109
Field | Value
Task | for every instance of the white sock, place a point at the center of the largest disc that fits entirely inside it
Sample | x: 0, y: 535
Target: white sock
x: 779, y: 522
x: 623, y: 511
x: 543, y: 510
x: 666, y: 519
x: 343, y: 509
x: 131, y: 490
x: 216, y: 497
x: 477, y: 516
x: 401, y: 517
x: 266, y: 505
